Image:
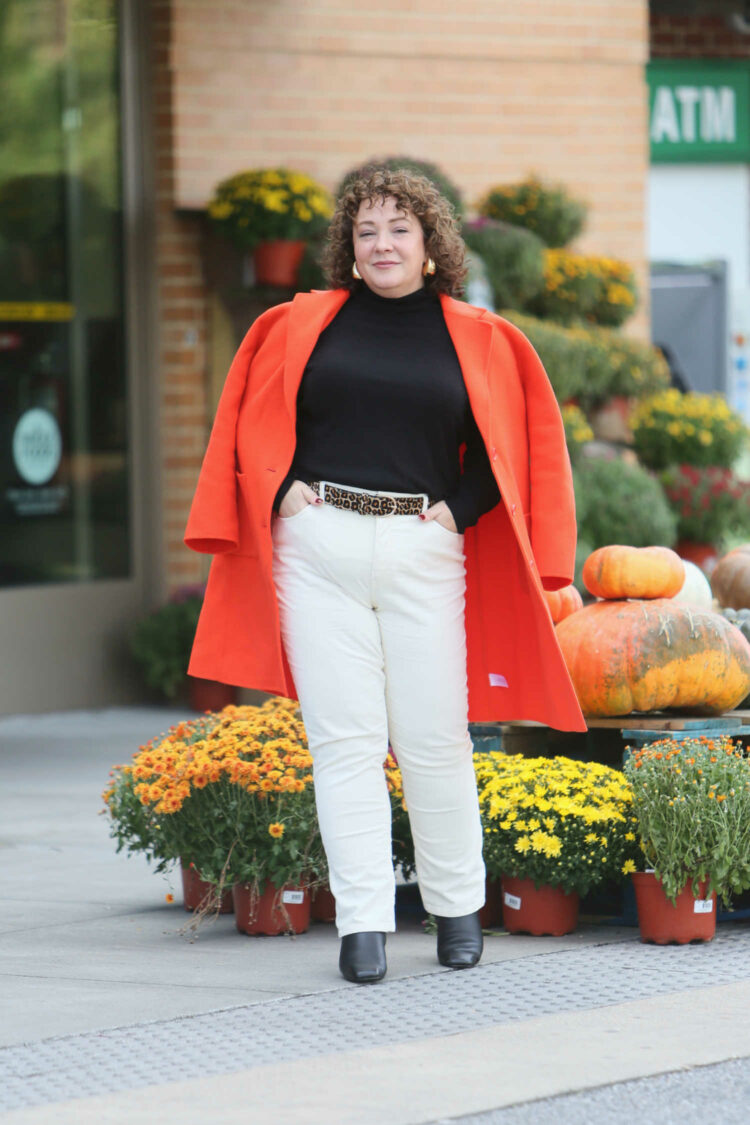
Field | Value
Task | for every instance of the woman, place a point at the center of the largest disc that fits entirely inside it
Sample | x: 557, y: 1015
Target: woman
x: 387, y: 491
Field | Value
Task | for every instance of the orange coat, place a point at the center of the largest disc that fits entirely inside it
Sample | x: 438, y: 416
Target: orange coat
x: 527, y: 542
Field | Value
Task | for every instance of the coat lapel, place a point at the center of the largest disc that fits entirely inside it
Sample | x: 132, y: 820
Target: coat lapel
x: 472, y: 339
x: 310, y: 314
x: 472, y: 336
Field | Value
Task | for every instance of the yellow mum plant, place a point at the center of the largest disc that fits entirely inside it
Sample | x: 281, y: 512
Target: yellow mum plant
x: 229, y: 794
x: 585, y: 287
x: 592, y: 364
x: 672, y: 428
x: 264, y: 204
x: 557, y: 821
x: 546, y: 209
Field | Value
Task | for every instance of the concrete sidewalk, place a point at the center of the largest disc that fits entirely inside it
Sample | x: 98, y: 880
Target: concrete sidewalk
x: 111, y: 1014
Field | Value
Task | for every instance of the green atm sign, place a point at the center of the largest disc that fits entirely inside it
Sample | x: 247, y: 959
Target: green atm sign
x: 699, y: 111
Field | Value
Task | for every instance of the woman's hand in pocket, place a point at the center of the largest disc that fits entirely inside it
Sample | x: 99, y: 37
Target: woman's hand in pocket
x: 297, y: 498
x: 444, y: 516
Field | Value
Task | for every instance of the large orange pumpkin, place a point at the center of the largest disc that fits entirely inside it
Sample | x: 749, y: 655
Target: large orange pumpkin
x: 633, y: 572
x: 653, y: 655
x: 730, y: 578
x: 563, y: 602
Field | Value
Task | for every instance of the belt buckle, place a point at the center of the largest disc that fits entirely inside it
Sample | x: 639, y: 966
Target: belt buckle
x: 371, y: 504
x: 379, y: 501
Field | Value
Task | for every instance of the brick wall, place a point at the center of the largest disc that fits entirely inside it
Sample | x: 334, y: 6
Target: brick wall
x: 488, y: 90
x: 703, y: 31
x: 183, y: 314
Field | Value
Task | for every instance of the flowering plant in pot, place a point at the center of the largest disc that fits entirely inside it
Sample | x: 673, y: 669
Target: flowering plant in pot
x: 586, y: 288
x: 552, y: 824
x: 692, y: 803
x: 152, y: 788
x: 546, y: 209
x: 672, y: 428
x: 710, y: 503
x: 277, y: 854
x: 229, y: 796
x: 274, y: 212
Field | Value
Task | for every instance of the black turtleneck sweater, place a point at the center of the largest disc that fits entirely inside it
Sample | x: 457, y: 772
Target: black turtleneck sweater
x: 383, y: 406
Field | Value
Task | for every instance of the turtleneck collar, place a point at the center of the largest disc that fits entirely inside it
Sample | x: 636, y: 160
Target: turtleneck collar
x: 420, y: 298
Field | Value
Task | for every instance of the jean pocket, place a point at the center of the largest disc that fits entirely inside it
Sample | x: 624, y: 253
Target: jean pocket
x: 296, y: 516
x: 446, y: 531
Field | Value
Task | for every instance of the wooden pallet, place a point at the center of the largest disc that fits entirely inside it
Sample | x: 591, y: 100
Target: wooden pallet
x: 665, y: 720
x: 652, y: 720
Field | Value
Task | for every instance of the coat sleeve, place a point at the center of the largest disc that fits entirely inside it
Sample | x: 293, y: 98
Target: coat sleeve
x: 553, y: 513
x: 213, y: 523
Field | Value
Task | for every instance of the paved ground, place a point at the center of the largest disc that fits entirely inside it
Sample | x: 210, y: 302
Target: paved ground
x: 110, y: 1014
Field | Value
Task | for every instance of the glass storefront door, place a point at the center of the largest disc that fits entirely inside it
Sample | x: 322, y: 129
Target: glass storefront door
x: 64, y: 491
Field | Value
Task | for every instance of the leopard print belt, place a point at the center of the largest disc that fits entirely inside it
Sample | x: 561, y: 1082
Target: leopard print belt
x: 372, y: 503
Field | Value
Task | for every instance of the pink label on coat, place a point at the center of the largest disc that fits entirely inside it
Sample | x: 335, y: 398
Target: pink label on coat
x: 496, y: 680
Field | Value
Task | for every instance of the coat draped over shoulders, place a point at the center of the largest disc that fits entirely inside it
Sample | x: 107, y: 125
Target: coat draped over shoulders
x: 522, y: 546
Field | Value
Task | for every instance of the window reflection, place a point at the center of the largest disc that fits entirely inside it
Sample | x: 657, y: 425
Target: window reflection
x: 64, y: 505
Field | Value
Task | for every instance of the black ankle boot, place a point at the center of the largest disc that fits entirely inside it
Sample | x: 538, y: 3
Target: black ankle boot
x: 459, y: 941
x: 362, y: 957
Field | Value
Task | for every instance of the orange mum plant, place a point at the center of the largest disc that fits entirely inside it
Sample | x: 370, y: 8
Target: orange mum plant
x: 692, y: 801
x: 230, y: 794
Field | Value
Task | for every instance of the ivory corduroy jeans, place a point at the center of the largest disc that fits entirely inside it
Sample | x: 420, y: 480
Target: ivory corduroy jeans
x: 372, y: 618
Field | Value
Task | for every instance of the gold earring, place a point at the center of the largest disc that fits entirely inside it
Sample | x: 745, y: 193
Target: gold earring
x: 355, y: 272
x: 428, y: 268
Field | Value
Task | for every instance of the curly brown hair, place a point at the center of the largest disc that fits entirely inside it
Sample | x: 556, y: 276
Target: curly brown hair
x: 413, y: 193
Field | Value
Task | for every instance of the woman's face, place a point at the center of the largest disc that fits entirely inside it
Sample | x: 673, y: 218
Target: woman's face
x: 388, y: 248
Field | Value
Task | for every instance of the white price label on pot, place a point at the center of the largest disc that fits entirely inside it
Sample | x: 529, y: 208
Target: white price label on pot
x: 294, y: 898
x: 703, y: 906
x: 513, y: 901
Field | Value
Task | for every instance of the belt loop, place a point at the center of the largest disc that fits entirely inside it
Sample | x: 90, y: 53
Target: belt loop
x: 322, y: 490
x: 425, y: 502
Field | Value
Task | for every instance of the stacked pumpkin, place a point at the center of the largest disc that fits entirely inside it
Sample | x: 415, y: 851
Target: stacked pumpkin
x: 640, y: 649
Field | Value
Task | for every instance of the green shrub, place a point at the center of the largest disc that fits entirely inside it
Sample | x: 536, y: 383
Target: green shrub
x: 162, y: 641
x: 617, y: 502
x: 585, y: 287
x: 593, y: 364
x: 513, y: 259
x: 545, y: 209
x: 422, y: 167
